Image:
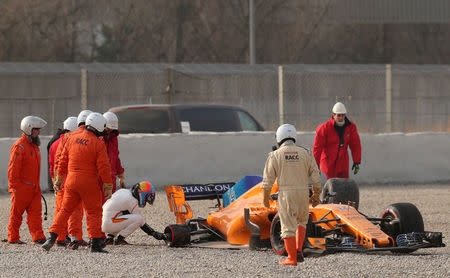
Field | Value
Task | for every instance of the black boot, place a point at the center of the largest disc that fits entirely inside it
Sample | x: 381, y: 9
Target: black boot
x: 300, y: 257
x: 109, y: 239
x: 50, y: 241
x: 97, y: 245
x: 64, y: 242
x: 120, y: 240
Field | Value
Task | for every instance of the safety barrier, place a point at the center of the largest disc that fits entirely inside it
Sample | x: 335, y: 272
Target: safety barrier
x: 169, y: 159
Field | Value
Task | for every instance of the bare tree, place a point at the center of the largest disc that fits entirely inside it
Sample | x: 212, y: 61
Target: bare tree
x: 206, y: 31
x: 40, y: 30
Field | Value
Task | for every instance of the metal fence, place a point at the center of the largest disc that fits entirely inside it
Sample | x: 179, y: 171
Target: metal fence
x: 384, y: 11
x: 379, y: 98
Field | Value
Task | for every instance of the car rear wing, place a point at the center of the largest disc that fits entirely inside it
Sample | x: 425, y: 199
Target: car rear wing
x: 207, y: 191
x: 177, y: 195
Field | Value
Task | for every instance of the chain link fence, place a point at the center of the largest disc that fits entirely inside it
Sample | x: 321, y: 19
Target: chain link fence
x: 254, y: 90
x: 420, y: 98
x: 105, y: 90
x: 311, y: 92
x: 51, y: 96
x: 403, y: 98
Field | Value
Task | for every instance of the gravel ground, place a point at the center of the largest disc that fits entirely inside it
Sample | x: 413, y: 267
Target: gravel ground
x: 150, y: 258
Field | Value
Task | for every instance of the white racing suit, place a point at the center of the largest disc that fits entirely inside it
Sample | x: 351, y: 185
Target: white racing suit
x: 292, y: 166
x: 121, y: 214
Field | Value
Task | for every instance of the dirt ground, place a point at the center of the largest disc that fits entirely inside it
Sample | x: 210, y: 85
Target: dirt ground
x: 150, y: 258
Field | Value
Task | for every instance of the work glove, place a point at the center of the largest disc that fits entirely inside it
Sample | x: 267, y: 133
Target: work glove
x: 57, y: 183
x: 107, y: 188
x: 355, y: 168
x: 121, y: 180
x: 315, y: 198
x: 266, y: 198
x: 149, y: 231
x: 159, y: 236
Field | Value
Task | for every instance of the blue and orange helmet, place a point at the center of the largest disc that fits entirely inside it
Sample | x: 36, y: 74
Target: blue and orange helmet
x: 144, y: 192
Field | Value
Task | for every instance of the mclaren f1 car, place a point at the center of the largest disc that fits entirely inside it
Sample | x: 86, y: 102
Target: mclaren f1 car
x: 335, y: 225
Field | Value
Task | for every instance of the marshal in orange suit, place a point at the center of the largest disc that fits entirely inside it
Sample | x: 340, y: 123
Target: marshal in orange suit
x: 23, y: 180
x: 84, y: 160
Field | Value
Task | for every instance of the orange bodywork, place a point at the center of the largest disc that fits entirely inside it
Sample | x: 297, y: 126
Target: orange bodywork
x: 175, y: 196
x: 231, y: 223
x: 230, y: 220
x: 365, y: 233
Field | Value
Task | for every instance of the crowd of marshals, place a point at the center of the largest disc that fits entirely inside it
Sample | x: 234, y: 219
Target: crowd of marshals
x: 84, y: 164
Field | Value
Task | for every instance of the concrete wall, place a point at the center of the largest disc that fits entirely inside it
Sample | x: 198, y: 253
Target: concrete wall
x: 227, y: 157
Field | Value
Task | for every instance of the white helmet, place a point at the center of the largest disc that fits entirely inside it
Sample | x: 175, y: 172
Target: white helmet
x: 286, y: 131
x: 97, y: 121
x: 70, y: 124
x: 30, y: 122
x: 339, y: 108
x: 112, y: 121
x: 82, y: 116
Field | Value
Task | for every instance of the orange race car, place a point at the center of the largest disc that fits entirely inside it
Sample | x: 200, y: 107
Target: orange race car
x: 335, y: 225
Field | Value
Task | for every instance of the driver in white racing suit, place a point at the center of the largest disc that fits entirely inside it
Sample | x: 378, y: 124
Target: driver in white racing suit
x: 122, y: 213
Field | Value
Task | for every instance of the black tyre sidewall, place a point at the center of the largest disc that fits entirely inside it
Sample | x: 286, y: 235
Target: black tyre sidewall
x: 346, y: 190
x: 410, y: 221
x: 179, y: 235
x: 276, y: 241
x: 409, y: 216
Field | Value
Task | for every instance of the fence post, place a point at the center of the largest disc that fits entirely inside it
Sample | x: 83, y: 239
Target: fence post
x: 251, y: 32
x: 83, y: 89
x: 280, y: 95
x: 52, y: 128
x: 388, y: 98
x: 170, y: 87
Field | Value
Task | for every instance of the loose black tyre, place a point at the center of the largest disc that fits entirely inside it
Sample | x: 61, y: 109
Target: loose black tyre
x: 346, y: 190
x: 276, y: 241
x: 178, y: 235
x: 402, y: 218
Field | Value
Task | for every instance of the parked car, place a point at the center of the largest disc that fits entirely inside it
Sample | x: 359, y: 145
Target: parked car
x: 173, y: 118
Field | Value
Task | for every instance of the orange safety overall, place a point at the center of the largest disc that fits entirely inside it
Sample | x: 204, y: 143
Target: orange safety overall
x: 23, y: 178
x: 84, y: 160
x: 75, y: 222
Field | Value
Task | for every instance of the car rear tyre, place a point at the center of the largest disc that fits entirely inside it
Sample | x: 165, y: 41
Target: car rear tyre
x: 178, y: 235
x: 276, y: 241
x: 402, y: 218
x: 346, y: 190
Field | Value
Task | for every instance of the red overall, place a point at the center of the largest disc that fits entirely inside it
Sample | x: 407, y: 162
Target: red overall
x: 332, y: 155
x: 112, y: 147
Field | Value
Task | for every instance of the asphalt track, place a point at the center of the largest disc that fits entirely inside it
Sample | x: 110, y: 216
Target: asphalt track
x: 150, y: 258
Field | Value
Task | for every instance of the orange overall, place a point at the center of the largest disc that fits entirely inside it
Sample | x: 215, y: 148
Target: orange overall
x: 61, y: 145
x: 75, y: 227
x: 23, y: 177
x: 84, y: 159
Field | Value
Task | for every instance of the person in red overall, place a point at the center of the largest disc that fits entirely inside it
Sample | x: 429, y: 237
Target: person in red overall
x: 331, y: 144
x: 23, y: 182
x: 75, y: 228
x: 84, y: 160
x: 112, y: 147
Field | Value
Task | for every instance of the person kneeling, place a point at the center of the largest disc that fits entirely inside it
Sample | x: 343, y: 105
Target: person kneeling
x: 122, y: 213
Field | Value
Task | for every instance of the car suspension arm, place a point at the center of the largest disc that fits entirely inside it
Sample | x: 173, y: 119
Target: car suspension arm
x: 254, y: 229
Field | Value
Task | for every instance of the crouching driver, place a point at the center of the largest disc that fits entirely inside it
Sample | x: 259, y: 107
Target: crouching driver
x: 122, y: 213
